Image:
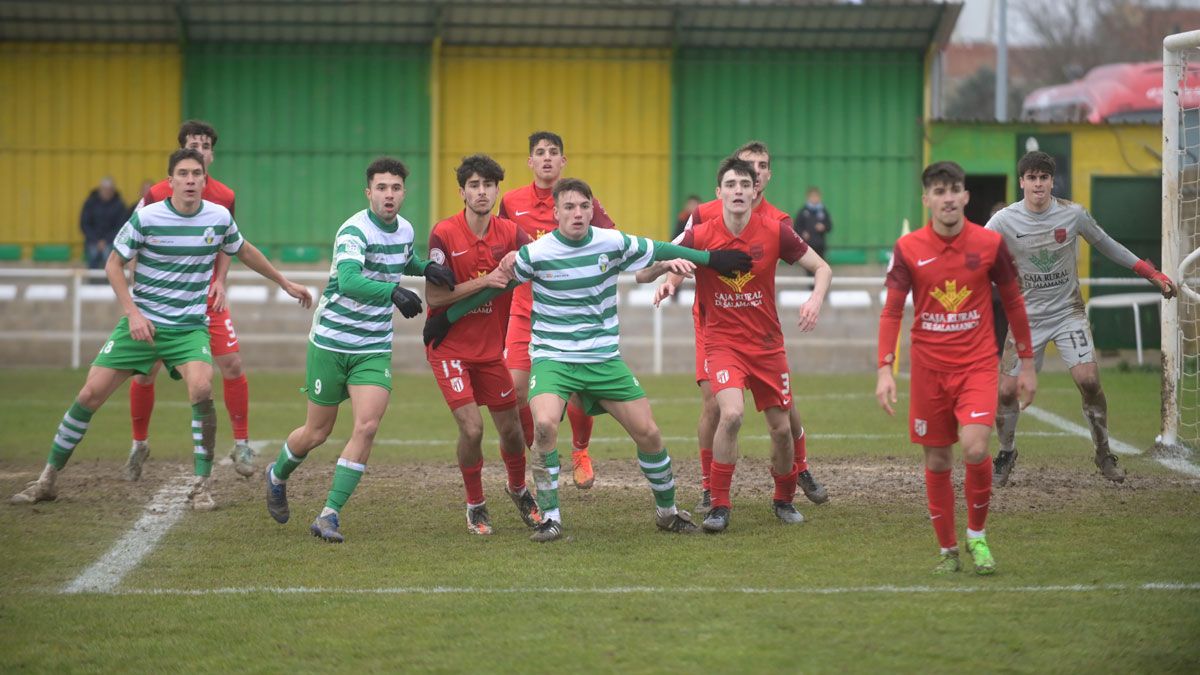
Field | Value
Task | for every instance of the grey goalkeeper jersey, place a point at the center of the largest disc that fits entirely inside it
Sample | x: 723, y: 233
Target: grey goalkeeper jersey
x: 1045, y: 248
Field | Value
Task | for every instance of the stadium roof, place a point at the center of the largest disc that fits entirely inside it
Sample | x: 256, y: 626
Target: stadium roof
x: 873, y: 24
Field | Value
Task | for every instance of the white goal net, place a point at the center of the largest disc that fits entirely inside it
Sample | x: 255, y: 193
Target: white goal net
x: 1181, y: 242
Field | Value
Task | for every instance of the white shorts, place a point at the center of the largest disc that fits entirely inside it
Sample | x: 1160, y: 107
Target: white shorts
x: 1072, y: 336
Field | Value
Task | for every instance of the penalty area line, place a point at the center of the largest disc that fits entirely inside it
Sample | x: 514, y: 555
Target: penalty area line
x: 1173, y: 463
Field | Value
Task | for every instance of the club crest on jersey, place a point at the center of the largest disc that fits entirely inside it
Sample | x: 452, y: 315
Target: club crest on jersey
x: 210, y: 235
x: 739, y: 282
x: 756, y: 252
x: 952, y: 297
x: 1044, y: 260
x: 1060, y: 234
x: 920, y: 426
x: 602, y: 261
x: 972, y: 261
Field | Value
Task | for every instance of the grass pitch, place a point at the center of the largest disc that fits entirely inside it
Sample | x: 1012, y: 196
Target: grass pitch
x: 848, y: 591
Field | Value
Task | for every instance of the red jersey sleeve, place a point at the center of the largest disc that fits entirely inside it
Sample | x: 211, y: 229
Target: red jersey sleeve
x: 437, y: 247
x: 522, y: 238
x: 1005, y: 268
x: 791, y: 246
x: 503, y: 212
x: 600, y: 216
x: 689, y: 238
x: 898, y: 275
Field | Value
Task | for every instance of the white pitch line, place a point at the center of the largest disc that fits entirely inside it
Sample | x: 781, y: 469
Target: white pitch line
x: 1174, y: 463
x: 1169, y: 586
x: 164, y: 510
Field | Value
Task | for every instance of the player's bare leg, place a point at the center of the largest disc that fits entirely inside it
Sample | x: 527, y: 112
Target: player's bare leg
x: 638, y: 421
x: 731, y: 409
x: 706, y: 429
x: 318, y: 424
x: 547, y: 411
x: 512, y: 451
x: 197, y: 375
x: 977, y: 488
x: 233, y: 378
x: 97, y: 388
x: 368, y: 403
x: 141, y: 407
x: 811, y: 487
x: 784, y: 468
x: 469, y: 452
x: 1095, y: 411
x: 1008, y: 409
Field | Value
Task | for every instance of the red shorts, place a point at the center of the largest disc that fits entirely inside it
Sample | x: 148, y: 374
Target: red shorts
x: 485, y: 383
x: 516, y: 343
x: 701, y: 357
x: 939, y: 403
x: 765, y: 375
x: 222, y: 338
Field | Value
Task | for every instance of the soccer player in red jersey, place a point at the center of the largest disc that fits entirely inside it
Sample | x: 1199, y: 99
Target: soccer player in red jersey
x: 469, y: 364
x: 759, y: 156
x: 532, y: 207
x: 223, y: 340
x: 950, y: 266
x: 743, y: 340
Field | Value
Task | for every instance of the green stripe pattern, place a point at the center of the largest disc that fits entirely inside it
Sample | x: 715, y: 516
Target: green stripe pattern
x: 575, y: 292
x: 342, y: 324
x: 657, y: 469
x: 175, y: 255
x: 70, y: 432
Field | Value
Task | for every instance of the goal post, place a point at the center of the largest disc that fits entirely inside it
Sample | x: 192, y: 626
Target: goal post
x: 1180, y: 240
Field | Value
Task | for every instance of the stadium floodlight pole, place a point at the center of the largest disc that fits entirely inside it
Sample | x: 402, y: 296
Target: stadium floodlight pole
x: 1173, y: 80
x: 1002, y: 62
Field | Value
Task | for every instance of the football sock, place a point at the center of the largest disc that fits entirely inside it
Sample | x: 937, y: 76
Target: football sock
x: 71, y: 429
x: 141, y: 405
x: 657, y: 469
x: 722, y: 479
x: 204, y: 436
x: 1006, y: 424
x: 706, y: 468
x: 545, y: 479
x: 237, y: 402
x: 581, y: 427
x: 473, y: 481
x: 345, y: 478
x: 940, y: 491
x: 801, y: 451
x: 285, y: 464
x: 526, y: 416
x: 514, y: 465
x: 785, y: 484
x: 1096, y: 415
x: 978, y: 491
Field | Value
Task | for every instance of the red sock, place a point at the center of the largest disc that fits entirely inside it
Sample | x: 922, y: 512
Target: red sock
x: 473, y: 482
x: 237, y: 402
x: 801, y: 452
x: 940, y: 491
x: 706, y: 468
x: 581, y: 427
x: 978, y: 491
x: 722, y: 479
x: 514, y: 464
x: 526, y: 424
x: 785, y: 485
x: 141, y: 404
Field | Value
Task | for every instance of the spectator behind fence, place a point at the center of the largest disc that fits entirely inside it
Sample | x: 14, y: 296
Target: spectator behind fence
x: 813, y: 221
x: 689, y: 205
x: 102, y: 216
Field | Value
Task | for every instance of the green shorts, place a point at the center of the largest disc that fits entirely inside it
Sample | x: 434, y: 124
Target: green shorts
x: 328, y: 374
x: 594, y: 382
x: 174, y: 346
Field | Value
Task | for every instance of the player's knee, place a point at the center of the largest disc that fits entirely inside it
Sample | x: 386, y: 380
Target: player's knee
x: 545, y: 432
x: 89, y: 397
x: 231, y: 366
x: 1008, y: 394
x: 1090, y: 388
x: 471, y: 431
x: 975, y: 453
x: 731, y: 418
x: 366, y: 429
x: 649, y: 437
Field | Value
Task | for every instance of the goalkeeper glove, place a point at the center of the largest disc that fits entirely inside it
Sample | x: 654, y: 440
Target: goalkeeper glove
x: 728, y: 263
x: 406, y: 301
x: 1145, y: 269
x: 436, y: 328
x: 439, y: 274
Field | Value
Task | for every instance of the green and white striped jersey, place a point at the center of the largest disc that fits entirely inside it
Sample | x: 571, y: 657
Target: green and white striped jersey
x: 342, y: 324
x: 175, y: 255
x: 575, y: 292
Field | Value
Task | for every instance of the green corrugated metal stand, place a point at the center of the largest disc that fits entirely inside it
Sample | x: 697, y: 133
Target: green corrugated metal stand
x: 849, y: 122
x: 298, y: 125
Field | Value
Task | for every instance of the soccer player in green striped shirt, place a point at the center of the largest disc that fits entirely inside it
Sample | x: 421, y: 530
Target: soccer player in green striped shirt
x: 176, y: 243
x: 350, y: 345
x: 575, y: 342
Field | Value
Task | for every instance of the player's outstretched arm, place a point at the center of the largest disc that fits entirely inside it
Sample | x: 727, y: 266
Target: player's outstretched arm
x: 254, y: 259
x: 822, y: 273
x: 438, y: 325
x: 724, y: 262
x: 140, y: 327
x: 444, y: 297
x: 434, y: 272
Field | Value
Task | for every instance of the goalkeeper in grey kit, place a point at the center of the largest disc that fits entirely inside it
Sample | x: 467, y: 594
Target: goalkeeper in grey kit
x: 1042, y: 232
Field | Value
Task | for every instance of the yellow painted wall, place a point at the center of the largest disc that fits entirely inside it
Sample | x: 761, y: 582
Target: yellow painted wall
x: 612, y: 108
x: 71, y: 114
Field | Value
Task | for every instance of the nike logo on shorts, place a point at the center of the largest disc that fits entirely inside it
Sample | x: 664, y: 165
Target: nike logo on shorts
x: 978, y: 414
x: 922, y: 263
x: 230, y: 344
x: 1022, y: 236
x: 504, y: 394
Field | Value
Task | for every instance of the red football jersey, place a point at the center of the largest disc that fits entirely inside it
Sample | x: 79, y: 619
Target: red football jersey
x: 951, y: 282
x: 532, y: 208
x: 478, y: 336
x: 214, y: 191
x: 740, y: 312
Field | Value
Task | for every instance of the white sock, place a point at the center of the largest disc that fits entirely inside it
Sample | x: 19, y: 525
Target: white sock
x: 274, y: 480
x: 669, y: 511
x: 326, y: 511
x: 475, y: 506
x: 552, y: 514
x: 952, y: 549
x: 974, y: 534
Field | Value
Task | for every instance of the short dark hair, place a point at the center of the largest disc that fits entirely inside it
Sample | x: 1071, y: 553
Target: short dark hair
x: 757, y: 147
x: 197, y: 128
x: 486, y: 167
x: 736, y: 165
x: 572, y: 185
x: 182, y: 154
x: 949, y: 173
x: 386, y: 165
x: 1035, y: 161
x: 539, y: 136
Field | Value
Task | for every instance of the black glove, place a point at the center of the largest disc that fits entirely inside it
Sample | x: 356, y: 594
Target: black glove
x: 436, y: 328
x: 728, y: 263
x: 406, y: 301
x: 439, y: 274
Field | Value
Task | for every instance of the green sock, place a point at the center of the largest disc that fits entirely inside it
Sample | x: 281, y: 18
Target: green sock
x: 345, y: 478
x: 657, y: 469
x: 545, y: 477
x: 71, y: 429
x: 286, y: 463
x: 204, y: 427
